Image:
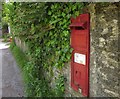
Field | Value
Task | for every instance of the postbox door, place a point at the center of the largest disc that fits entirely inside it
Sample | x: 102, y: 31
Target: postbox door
x: 80, y: 42
x: 79, y: 39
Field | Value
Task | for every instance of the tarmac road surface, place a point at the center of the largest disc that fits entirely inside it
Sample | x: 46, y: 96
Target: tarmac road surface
x: 11, y: 83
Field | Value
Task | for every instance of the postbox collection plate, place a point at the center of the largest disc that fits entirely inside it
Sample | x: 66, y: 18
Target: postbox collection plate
x: 80, y: 42
x: 79, y: 58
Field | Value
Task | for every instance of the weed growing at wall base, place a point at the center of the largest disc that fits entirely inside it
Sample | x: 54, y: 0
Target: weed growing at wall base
x: 34, y: 86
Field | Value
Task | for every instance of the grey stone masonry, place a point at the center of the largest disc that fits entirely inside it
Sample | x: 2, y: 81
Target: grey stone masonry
x: 104, y: 68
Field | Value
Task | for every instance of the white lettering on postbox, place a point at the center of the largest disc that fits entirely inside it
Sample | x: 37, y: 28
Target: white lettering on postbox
x: 79, y: 58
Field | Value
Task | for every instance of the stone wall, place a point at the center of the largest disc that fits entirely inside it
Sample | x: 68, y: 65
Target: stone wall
x: 104, y: 68
x: 21, y: 44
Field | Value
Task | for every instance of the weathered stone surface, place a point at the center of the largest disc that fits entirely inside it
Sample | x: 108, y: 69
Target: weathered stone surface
x: 104, y: 53
x: 22, y: 44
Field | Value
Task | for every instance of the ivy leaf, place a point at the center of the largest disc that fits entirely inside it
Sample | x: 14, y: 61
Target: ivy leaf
x: 63, y: 14
x: 77, y: 13
x: 49, y: 13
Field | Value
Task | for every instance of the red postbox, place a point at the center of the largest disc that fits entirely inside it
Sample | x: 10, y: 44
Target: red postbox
x: 80, y: 42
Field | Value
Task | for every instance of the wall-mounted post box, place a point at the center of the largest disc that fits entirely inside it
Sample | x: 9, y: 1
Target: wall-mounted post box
x: 80, y: 42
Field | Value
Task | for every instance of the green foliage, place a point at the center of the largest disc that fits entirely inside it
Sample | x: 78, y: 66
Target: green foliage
x: 8, y: 12
x: 60, y: 88
x: 19, y: 55
x: 6, y: 37
x: 34, y: 85
x: 45, y: 27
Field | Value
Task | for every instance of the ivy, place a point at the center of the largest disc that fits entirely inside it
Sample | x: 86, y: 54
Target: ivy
x: 60, y: 86
x: 45, y: 28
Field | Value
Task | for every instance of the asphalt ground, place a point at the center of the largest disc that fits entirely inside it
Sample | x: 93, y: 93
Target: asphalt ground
x: 11, y: 82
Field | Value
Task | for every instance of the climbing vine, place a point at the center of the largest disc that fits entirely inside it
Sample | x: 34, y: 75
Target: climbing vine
x: 45, y: 28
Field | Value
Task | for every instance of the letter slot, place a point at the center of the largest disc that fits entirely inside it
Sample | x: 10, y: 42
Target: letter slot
x: 78, y: 26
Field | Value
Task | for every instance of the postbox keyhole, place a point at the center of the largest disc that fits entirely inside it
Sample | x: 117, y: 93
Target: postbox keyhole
x: 76, y: 72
